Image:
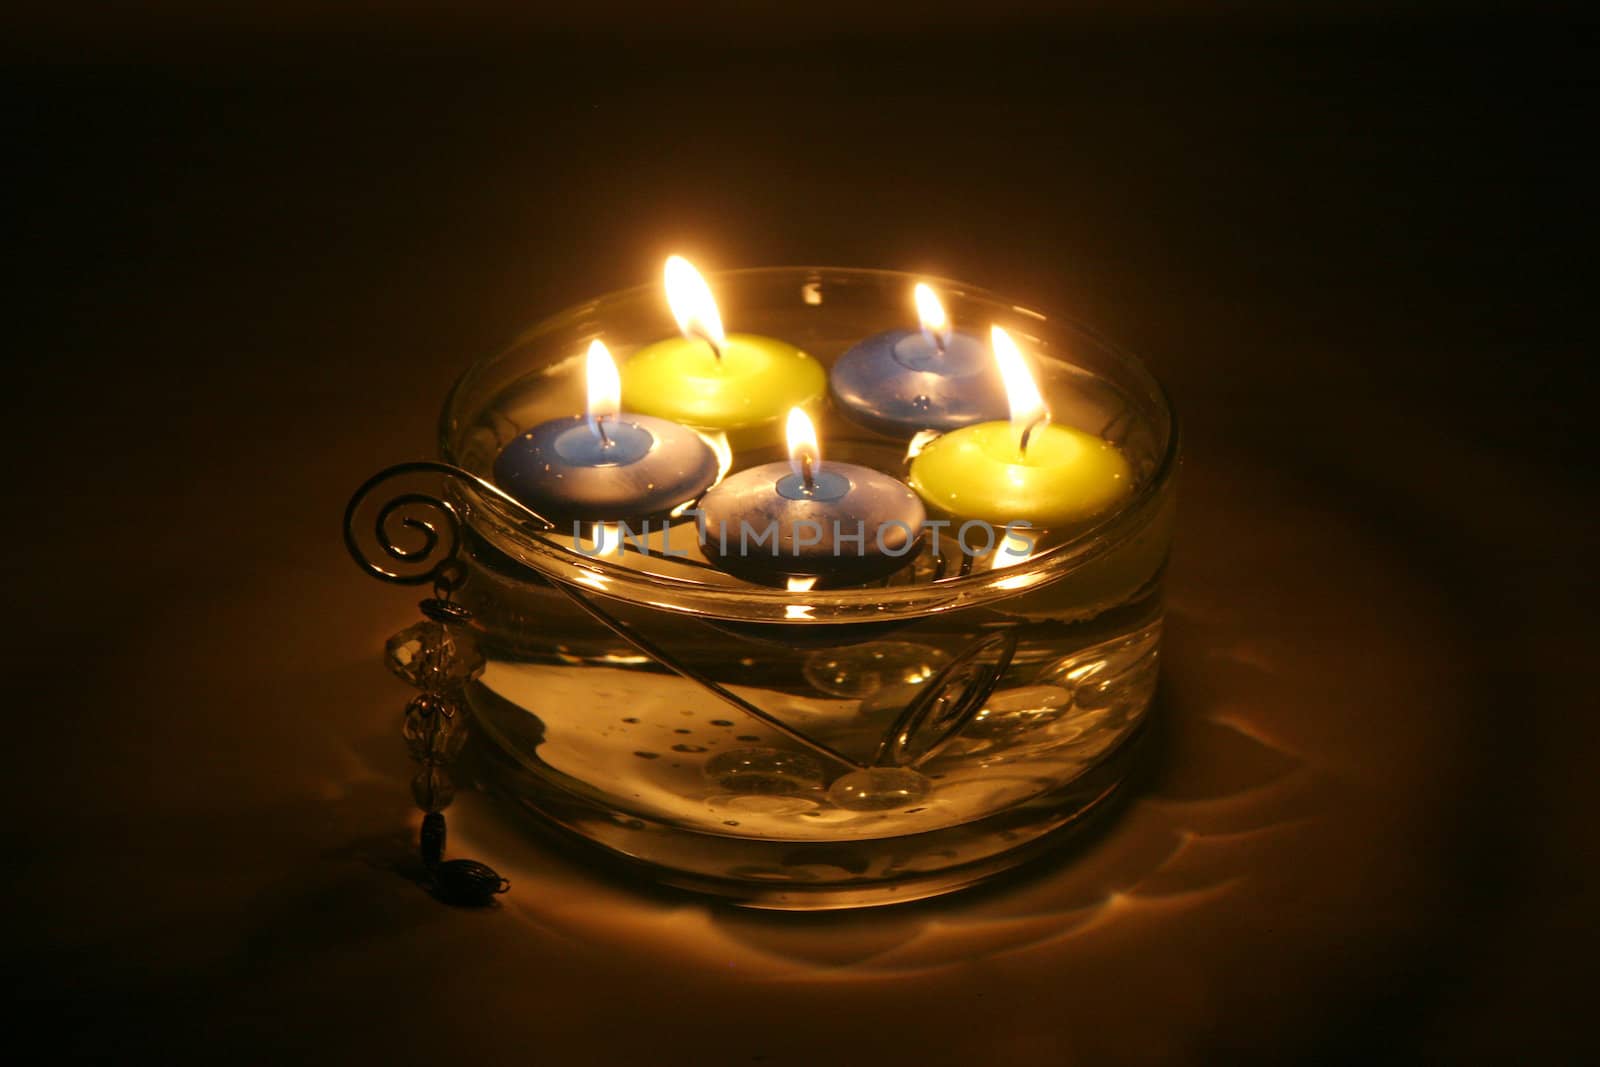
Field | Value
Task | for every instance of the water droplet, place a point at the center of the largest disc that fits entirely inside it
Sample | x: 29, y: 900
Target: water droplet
x: 687, y: 748
x: 648, y: 755
x: 720, y: 722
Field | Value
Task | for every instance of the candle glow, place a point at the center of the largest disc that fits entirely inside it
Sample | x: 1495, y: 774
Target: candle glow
x: 1024, y: 467
x: 740, y: 384
x: 1028, y: 410
x: 692, y: 304
x: 931, y: 314
x: 840, y: 522
x: 605, y: 387
x: 602, y: 465
x: 904, y: 381
x: 805, y: 454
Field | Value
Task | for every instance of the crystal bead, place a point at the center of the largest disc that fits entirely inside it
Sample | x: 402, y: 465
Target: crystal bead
x: 432, y: 838
x: 764, y: 771
x: 435, y: 728
x: 432, y: 789
x: 468, y: 882
x: 434, y: 656
x: 878, y: 789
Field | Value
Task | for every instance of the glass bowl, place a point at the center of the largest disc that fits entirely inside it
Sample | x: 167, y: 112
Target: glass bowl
x: 795, y: 747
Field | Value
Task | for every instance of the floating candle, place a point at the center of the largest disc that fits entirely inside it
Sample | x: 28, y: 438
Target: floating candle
x: 712, y: 380
x: 802, y: 518
x: 902, y: 381
x: 605, y: 466
x: 1027, y: 469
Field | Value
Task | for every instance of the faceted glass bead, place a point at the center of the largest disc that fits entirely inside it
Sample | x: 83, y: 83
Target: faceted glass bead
x: 435, y: 728
x: 433, y: 656
x: 432, y: 789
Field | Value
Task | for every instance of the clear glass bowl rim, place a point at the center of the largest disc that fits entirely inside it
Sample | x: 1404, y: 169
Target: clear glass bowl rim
x: 839, y: 606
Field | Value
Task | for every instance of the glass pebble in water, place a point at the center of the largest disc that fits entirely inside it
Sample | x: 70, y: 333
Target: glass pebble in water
x: 1019, y: 711
x: 765, y: 771
x: 879, y: 789
x: 860, y: 670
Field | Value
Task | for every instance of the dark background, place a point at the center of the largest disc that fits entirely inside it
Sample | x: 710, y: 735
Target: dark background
x: 251, y: 249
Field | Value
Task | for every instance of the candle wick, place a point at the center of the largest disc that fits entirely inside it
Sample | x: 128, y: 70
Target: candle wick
x: 600, y: 428
x: 716, y: 349
x: 806, y: 473
x: 1027, y: 433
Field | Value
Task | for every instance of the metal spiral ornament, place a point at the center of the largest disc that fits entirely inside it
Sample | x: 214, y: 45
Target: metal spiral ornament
x: 436, y: 520
x: 439, y: 656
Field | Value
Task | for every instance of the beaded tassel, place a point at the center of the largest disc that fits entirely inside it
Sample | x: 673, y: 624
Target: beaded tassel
x: 440, y: 656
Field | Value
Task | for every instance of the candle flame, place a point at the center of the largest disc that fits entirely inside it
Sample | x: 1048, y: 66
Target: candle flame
x: 1022, y: 393
x: 920, y: 440
x: 722, y: 450
x: 930, y: 312
x: 605, y: 386
x: 692, y: 304
x: 1010, y: 553
x: 600, y: 539
x: 805, y: 455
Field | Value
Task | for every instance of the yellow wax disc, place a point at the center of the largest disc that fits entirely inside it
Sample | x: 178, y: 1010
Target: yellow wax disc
x: 757, y: 381
x: 1066, y: 478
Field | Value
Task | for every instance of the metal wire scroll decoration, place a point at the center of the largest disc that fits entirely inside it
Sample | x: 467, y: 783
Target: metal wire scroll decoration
x: 443, y: 513
x: 950, y: 700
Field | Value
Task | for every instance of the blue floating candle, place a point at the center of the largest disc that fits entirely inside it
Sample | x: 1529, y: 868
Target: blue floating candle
x: 934, y: 378
x: 605, y: 466
x: 780, y: 521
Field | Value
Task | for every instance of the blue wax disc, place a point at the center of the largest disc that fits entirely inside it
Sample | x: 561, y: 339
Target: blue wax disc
x: 761, y: 524
x: 899, y: 382
x: 563, y: 471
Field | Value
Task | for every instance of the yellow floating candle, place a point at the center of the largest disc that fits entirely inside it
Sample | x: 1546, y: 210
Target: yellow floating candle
x: 1024, y: 470
x: 716, y: 381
